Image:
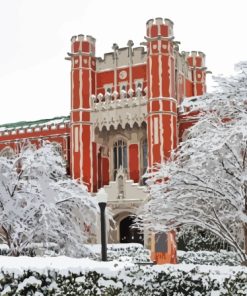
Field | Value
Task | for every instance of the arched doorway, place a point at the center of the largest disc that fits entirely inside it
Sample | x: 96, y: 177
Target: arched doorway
x: 129, y: 234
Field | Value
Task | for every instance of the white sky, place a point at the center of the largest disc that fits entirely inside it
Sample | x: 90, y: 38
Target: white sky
x: 35, y: 37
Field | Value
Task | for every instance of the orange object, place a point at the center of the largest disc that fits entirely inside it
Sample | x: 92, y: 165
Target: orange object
x: 164, y: 248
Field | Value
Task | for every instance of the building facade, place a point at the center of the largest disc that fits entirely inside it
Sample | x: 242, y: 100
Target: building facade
x: 128, y: 112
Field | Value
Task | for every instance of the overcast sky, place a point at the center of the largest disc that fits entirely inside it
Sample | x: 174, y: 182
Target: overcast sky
x: 35, y: 36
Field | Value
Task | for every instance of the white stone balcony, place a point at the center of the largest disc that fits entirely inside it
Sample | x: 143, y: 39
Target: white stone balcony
x: 114, y: 109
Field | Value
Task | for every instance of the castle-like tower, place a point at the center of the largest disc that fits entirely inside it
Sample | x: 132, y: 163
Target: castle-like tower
x: 128, y: 112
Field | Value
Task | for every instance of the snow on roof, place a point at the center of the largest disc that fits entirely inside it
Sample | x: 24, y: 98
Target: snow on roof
x: 37, y: 123
x: 195, y: 103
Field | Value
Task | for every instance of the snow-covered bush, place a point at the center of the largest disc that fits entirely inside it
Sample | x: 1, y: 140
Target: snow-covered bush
x: 4, y: 249
x: 40, y: 203
x: 81, y: 277
x: 196, y: 239
x: 209, y: 258
x: 123, y: 252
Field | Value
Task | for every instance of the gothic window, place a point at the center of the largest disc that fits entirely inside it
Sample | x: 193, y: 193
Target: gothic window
x: 144, y: 156
x: 108, y: 88
x: 138, y: 83
x: 119, y: 156
x: 123, y: 86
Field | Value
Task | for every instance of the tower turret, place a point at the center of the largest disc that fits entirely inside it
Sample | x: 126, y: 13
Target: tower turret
x: 196, y: 62
x: 83, y: 66
x: 162, y: 105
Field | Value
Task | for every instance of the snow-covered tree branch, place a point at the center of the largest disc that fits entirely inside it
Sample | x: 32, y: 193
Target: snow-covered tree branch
x: 205, y: 182
x: 40, y: 203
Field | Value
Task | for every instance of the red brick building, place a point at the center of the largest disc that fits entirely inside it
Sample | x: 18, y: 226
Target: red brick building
x: 126, y: 114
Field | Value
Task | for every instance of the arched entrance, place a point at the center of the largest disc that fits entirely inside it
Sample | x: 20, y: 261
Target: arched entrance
x: 129, y: 234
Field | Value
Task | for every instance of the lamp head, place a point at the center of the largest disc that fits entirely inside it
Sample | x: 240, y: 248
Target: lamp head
x: 102, y: 196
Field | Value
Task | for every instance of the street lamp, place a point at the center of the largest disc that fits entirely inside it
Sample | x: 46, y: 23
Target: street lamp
x: 102, y: 200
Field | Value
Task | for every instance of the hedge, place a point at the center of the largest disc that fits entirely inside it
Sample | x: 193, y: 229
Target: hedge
x: 87, y: 277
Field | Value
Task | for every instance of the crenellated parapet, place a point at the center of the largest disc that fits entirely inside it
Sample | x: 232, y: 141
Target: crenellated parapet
x: 27, y: 128
x: 159, y: 27
x: 195, y: 59
x: 197, y: 70
x: 125, y: 56
x: 83, y: 44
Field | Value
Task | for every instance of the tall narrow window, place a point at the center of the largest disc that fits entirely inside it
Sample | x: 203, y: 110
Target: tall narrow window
x: 144, y: 156
x: 119, y: 156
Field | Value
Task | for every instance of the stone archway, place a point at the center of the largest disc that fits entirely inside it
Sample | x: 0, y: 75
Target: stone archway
x: 127, y: 234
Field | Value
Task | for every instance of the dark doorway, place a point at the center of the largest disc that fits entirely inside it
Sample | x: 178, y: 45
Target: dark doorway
x: 129, y: 234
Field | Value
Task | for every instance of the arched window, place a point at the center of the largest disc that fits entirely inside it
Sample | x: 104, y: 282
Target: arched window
x: 144, y: 156
x: 119, y: 156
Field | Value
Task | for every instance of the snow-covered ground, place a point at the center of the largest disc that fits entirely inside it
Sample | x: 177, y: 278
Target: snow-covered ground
x: 72, y: 276
x: 64, y: 265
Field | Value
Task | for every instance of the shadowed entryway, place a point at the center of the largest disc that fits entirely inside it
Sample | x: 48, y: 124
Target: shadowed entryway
x: 129, y: 234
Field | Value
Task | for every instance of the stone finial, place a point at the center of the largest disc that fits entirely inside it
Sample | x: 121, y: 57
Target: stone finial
x: 115, y: 46
x: 130, y: 43
x: 73, y: 38
x: 149, y: 23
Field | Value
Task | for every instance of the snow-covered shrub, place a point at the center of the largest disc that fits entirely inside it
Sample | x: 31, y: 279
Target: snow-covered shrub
x: 123, y: 252
x: 40, y: 203
x: 209, y: 258
x: 196, y: 239
x: 82, y: 277
x: 235, y: 285
x: 4, y: 249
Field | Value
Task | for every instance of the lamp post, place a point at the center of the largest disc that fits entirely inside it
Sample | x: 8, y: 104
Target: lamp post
x: 102, y: 200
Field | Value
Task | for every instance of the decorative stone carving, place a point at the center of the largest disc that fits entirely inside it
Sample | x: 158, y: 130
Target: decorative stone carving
x: 122, y: 110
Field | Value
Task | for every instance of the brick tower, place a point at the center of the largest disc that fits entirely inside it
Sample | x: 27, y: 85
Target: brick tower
x: 162, y: 105
x: 82, y: 87
x: 196, y: 62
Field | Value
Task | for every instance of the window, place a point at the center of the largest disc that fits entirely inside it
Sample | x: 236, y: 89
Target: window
x: 119, y: 157
x: 144, y: 156
x: 108, y: 88
x: 123, y: 86
x: 138, y: 84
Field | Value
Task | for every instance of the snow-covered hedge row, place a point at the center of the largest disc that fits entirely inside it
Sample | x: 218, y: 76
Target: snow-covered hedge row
x: 137, y: 253
x: 4, y: 249
x: 67, y: 276
x: 134, y: 251
x: 209, y: 258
